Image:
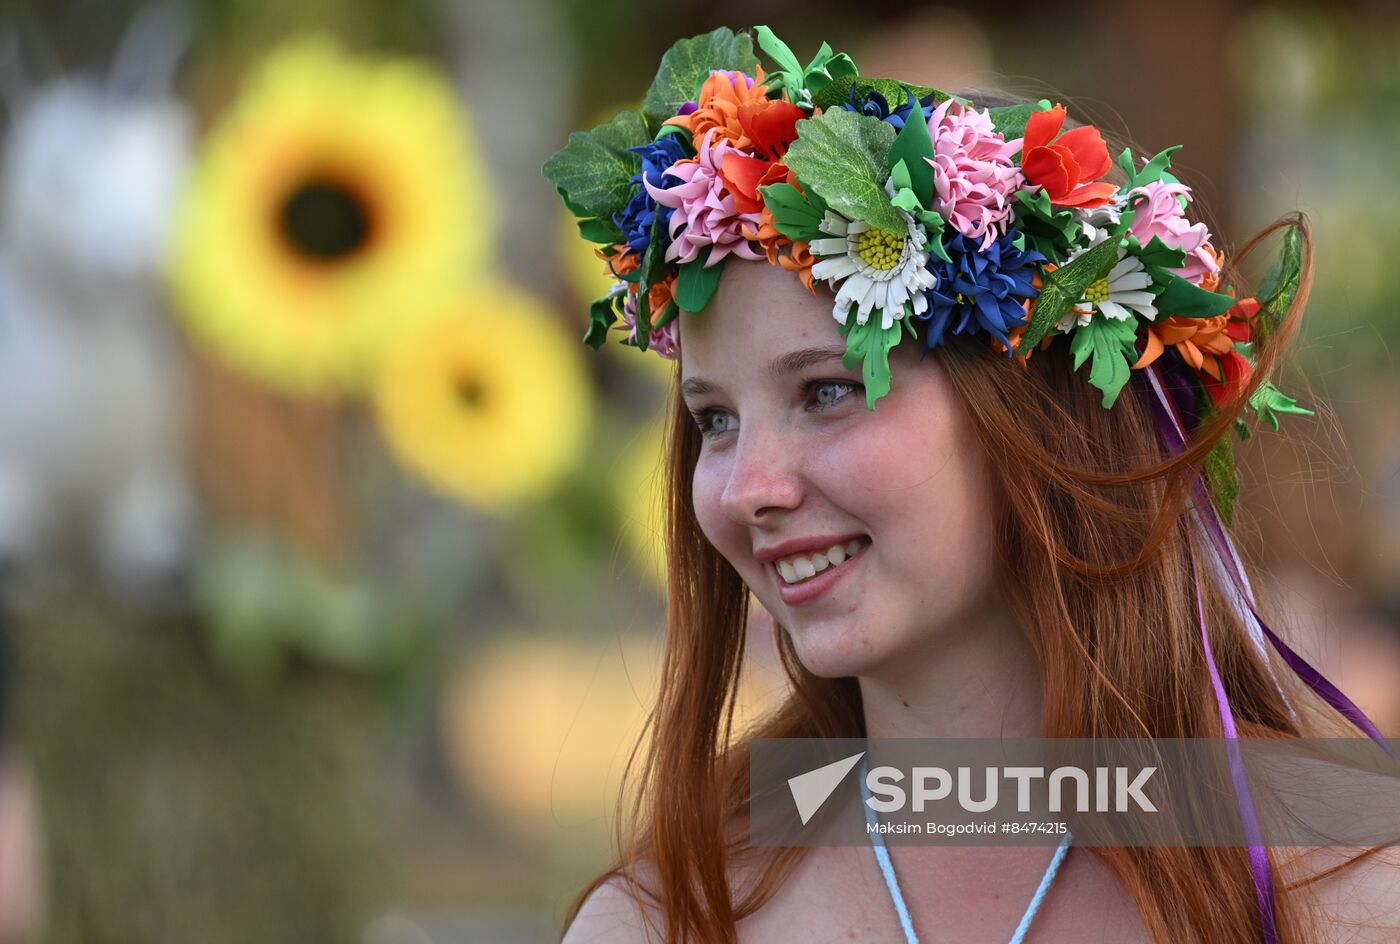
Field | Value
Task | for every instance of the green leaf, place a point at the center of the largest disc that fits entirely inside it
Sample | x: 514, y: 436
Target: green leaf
x: 594, y: 170
x: 1157, y: 255
x: 870, y: 345
x: 696, y: 282
x: 912, y: 145
x: 905, y: 200
x: 1051, y: 232
x: 844, y: 157
x: 1111, y: 345
x: 1186, y: 300
x: 1280, y: 284
x: 1064, y: 287
x: 796, y: 216
x: 601, y: 315
x: 1268, y: 401
x: 600, y: 231
x: 1153, y: 170
x: 1011, y: 120
x: 1223, y: 478
x: 685, y: 66
x: 788, y: 66
x: 838, y: 91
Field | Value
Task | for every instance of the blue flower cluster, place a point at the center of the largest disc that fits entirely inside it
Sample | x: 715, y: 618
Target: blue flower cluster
x: 980, y: 289
x: 877, y: 106
x: 636, y: 219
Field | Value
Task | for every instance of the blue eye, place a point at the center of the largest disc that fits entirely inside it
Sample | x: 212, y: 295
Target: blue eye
x: 823, y: 402
x: 820, y: 394
x: 702, y: 421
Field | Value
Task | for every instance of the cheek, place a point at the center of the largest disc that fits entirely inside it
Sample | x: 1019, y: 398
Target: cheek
x: 707, y: 489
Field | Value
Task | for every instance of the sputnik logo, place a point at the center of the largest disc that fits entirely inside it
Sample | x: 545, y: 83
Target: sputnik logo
x: 810, y: 790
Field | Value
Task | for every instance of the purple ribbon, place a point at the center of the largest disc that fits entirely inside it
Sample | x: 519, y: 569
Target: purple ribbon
x: 1173, y: 433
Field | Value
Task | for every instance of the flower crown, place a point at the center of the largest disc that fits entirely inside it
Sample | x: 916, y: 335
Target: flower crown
x: 953, y: 220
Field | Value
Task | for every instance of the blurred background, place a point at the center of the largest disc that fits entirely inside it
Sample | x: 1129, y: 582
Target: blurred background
x: 330, y: 613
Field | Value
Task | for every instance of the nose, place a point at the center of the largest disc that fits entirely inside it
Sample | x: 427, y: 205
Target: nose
x: 764, y: 479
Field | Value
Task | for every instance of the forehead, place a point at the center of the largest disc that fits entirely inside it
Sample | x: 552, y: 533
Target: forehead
x: 758, y: 312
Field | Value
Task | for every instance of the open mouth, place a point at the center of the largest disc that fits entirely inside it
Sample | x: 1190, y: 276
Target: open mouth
x: 798, y: 569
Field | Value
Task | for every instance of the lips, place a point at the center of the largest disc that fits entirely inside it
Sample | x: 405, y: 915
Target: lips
x: 796, y: 594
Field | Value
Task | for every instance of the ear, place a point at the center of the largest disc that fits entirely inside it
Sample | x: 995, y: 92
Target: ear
x: 150, y: 52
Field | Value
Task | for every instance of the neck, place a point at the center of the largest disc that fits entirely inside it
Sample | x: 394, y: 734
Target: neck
x: 982, y: 681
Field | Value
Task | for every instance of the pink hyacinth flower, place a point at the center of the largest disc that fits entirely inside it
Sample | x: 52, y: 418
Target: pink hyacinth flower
x: 974, y: 177
x: 1158, y: 212
x: 705, y: 214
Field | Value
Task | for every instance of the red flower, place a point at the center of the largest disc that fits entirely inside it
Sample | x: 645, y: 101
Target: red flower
x: 1066, y: 167
x: 1242, y: 314
x: 1234, y: 375
x: 743, y: 175
x: 771, y: 124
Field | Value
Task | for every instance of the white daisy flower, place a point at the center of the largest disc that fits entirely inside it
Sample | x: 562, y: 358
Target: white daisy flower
x: 876, y: 268
x: 1117, y: 295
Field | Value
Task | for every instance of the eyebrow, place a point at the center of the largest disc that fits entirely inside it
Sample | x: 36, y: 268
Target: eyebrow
x: 789, y: 363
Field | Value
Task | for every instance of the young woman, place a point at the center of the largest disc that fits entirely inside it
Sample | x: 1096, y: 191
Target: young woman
x: 987, y: 551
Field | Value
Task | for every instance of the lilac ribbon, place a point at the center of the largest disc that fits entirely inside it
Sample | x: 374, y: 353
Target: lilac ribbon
x: 1169, y: 425
x: 1173, y: 433
x: 1244, y: 798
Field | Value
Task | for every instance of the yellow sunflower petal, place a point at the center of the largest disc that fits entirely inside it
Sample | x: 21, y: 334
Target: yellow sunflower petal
x: 490, y: 402
x: 337, y: 201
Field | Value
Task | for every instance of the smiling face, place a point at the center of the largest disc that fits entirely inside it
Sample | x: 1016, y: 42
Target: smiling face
x: 793, y: 461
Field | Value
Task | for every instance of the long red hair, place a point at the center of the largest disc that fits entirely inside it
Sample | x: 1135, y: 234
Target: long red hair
x: 1098, y: 568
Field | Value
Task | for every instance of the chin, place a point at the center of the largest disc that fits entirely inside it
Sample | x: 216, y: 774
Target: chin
x: 838, y: 651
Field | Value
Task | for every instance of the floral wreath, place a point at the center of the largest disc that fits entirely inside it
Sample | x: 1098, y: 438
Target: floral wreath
x: 994, y: 220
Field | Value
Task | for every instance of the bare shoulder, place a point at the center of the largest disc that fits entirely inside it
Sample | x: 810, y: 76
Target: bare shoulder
x: 613, y: 915
x: 1356, y: 904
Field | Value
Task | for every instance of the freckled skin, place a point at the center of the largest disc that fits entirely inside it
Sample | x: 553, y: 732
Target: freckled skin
x: 908, y: 474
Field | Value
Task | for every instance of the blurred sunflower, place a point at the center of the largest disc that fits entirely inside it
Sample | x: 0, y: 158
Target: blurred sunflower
x: 338, y: 200
x: 489, y: 402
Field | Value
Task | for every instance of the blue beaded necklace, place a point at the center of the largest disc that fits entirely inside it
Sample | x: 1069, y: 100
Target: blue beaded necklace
x: 882, y: 855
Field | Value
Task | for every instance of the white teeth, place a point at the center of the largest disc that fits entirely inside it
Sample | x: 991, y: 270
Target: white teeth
x: 796, y: 569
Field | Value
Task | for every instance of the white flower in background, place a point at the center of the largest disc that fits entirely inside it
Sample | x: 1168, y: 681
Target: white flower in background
x: 1098, y: 221
x: 1117, y: 295
x: 877, y: 268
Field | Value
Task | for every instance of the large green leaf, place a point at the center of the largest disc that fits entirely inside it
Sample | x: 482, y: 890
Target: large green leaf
x: 593, y: 172
x: 1063, y: 288
x: 796, y: 216
x: 1280, y: 284
x: 838, y: 91
x: 685, y: 66
x: 1111, y: 345
x: 844, y: 157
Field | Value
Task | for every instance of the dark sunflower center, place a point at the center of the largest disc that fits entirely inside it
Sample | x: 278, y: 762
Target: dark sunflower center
x: 325, y: 220
x: 470, y: 392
